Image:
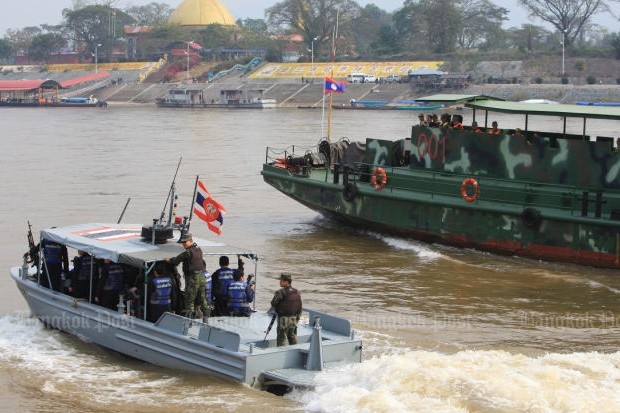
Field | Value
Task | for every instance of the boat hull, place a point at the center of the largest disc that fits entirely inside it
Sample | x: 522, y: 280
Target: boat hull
x: 433, y: 199
x: 230, y: 347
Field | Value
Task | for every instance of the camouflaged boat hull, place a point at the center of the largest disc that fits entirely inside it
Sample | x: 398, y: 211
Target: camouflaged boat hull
x: 546, y: 198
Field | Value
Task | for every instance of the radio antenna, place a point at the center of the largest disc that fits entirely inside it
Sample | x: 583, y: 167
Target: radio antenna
x: 170, y: 191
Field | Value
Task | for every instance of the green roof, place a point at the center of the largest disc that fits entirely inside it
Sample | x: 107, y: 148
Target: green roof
x: 553, y: 109
x: 453, y: 99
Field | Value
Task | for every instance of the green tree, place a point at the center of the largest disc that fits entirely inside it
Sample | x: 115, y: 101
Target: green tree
x: 43, y: 45
x: 21, y: 39
x: 253, y: 25
x: 151, y: 14
x: 373, y: 33
x: 91, y: 26
x: 316, y: 19
x: 528, y: 38
x: 430, y: 25
x: 482, y: 23
x: 570, y: 17
x: 615, y: 43
x: 6, y: 49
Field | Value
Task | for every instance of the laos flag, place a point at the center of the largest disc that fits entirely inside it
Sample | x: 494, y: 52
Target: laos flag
x: 333, y: 86
x: 208, y: 209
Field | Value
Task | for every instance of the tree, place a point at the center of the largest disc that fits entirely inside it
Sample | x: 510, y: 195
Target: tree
x: 6, y: 50
x: 96, y: 25
x: 528, y: 38
x: 482, y: 23
x: 615, y: 43
x: 568, y: 16
x: 152, y: 14
x: 45, y: 44
x: 21, y: 39
x: 253, y: 25
x: 316, y: 19
x: 373, y: 33
x: 430, y: 25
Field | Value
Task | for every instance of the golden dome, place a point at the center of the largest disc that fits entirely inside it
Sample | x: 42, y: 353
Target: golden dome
x: 201, y: 13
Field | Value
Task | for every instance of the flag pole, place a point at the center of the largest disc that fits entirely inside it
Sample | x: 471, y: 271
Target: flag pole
x: 191, y: 210
x: 331, y: 97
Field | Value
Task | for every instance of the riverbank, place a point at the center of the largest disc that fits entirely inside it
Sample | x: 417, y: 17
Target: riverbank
x: 123, y: 86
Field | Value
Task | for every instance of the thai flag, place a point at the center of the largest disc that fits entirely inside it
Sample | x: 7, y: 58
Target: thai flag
x: 208, y: 209
x: 333, y: 86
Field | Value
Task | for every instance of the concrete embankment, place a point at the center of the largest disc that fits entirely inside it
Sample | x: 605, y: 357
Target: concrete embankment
x: 293, y: 94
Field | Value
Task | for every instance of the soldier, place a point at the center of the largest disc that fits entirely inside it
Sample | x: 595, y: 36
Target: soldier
x: 286, y: 303
x: 193, y: 270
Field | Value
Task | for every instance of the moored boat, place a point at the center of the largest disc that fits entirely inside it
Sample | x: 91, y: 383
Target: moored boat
x: 237, y: 348
x: 531, y: 193
x: 181, y: 97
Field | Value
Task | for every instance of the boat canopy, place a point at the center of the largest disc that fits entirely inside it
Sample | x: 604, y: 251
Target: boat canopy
x: 450, y: 99
x: 124, y: 244
x: 561, y: 110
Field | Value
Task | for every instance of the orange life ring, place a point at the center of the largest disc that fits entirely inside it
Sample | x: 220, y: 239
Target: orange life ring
x: 379, y: 178
x: 466, y: 183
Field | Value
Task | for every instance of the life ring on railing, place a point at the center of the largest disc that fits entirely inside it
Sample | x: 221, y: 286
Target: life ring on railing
x: 378, y: 178
x: 467, y: 182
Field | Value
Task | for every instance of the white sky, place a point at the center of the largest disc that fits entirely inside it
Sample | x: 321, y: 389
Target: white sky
x: 35, y: 12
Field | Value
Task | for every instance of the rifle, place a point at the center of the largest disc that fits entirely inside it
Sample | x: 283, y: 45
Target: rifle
x: 33, y: 250
x: 273, y: 320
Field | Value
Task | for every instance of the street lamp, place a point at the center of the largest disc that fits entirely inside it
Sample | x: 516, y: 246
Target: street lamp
x: 563, y: 41
x: 97, y: 46
x: 188, y: 61
x: 312, y: 53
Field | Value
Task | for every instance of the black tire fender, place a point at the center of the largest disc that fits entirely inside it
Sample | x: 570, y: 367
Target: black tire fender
x: 531, y: 217
x: 349, y: 192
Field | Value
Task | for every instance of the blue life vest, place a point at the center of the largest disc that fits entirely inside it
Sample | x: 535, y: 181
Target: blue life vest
x: 237, y: 296
x: 85, y: 263
x: 162, y: 291
x: 53, y: 252
x: 114, y: 278
x: 208, y: 287
x: 224, y: 278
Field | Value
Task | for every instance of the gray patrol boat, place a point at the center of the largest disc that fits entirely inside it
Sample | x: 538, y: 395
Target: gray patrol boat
x: 238, y: 348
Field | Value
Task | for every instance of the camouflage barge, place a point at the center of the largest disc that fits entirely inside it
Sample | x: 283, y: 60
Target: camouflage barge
x: 542, y: 195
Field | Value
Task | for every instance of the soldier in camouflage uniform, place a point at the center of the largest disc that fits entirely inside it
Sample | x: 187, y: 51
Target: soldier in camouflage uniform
x: 193, y: 269
x: 286, y: 303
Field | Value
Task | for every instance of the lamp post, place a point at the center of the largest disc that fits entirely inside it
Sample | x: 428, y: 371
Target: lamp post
x: 312, y: 52
x: 97, y: 46
x: 188, y: 61
x: 563, y: 41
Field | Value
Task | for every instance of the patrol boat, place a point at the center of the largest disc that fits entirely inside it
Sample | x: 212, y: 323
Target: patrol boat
x: 533, y: 193
x: 238, y: 348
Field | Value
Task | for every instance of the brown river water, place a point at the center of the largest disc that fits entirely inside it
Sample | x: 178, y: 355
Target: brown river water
x: 444, y: 329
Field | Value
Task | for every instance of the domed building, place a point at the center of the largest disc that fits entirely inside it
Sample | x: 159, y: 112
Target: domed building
x: 201, y: 13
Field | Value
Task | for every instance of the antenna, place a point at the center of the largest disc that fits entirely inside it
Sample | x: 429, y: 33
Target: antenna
x: 123, y: 212
x: 170, y: 192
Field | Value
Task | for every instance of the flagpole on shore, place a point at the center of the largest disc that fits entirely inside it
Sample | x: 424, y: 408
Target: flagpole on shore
x: 331, y: 95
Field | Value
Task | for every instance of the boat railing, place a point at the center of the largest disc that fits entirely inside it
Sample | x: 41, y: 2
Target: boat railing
x: 515, y: 195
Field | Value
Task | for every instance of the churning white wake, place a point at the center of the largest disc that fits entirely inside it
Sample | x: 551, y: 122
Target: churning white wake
x: 471, y: 381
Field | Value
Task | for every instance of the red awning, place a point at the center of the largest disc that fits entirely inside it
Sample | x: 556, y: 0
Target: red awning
x: 78, y: 80
x: 24, y: 85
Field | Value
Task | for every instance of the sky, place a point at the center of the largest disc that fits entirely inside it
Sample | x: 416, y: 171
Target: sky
x: 35, y: 12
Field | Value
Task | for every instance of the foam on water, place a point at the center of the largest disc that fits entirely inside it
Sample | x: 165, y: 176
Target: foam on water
x: 423, y: 251
x: 471, y: 380
x: 55, y: 364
